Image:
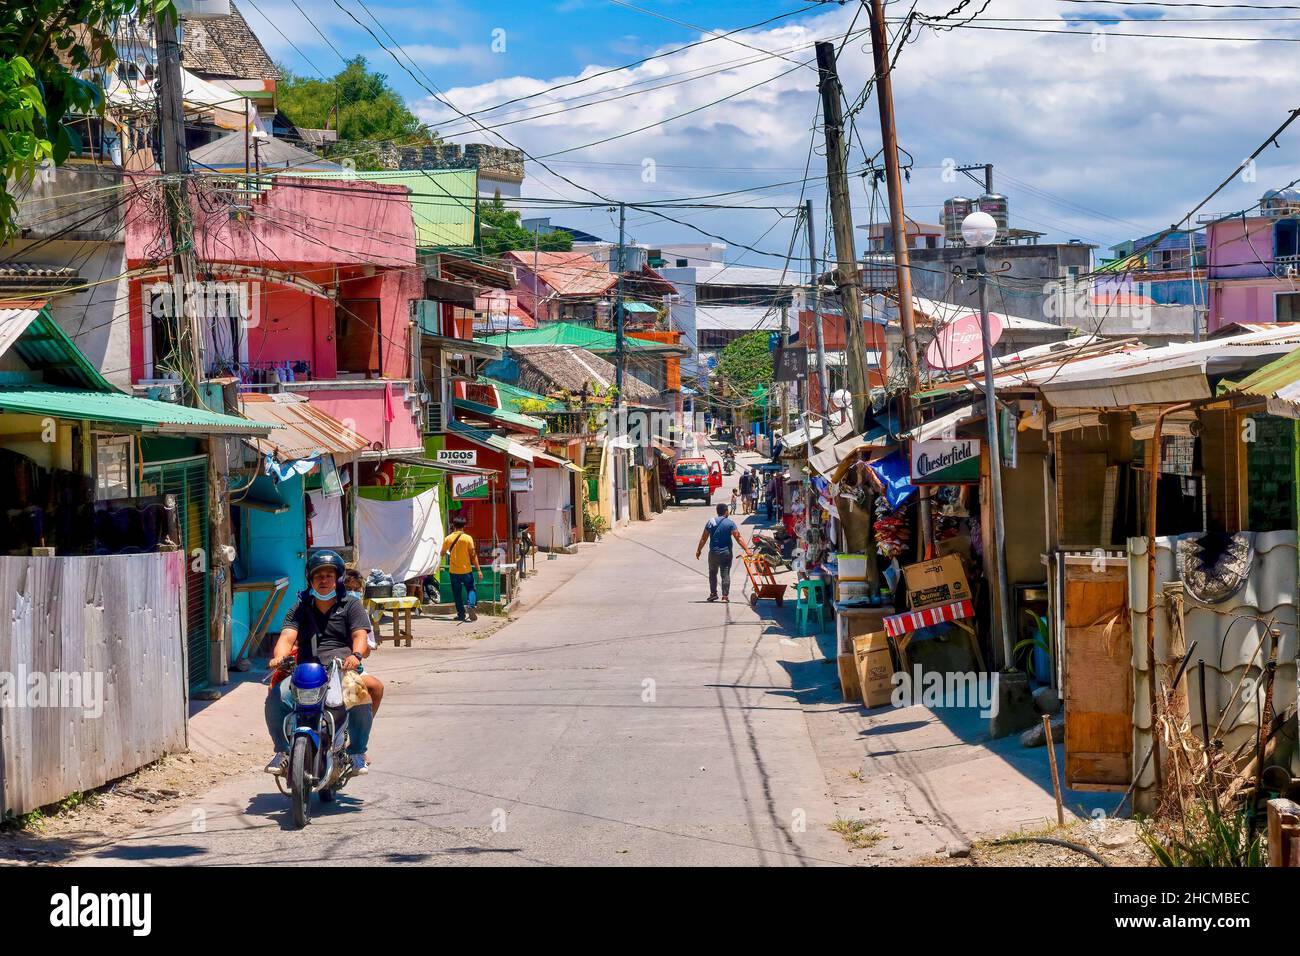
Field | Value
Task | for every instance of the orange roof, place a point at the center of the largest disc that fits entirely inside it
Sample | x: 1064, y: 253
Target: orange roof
x: 568, y: 273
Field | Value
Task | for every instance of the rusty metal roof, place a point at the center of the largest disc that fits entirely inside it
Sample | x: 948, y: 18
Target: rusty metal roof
x: 303, y: 431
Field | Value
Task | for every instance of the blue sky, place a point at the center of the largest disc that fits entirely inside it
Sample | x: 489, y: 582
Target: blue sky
x: 1094, y: 135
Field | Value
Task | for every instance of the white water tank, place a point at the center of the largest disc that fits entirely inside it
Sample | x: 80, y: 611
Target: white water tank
x: 955, y: 211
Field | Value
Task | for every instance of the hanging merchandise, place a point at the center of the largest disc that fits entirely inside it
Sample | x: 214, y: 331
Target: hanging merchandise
x: 893, y: 536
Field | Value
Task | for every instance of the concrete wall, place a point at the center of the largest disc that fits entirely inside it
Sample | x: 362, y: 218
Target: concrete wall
x: 1027, y: 269
x: 95, y: 318
x: 1242, y: 286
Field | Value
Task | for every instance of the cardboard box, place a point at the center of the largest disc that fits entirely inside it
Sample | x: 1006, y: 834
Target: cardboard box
x: 848, y: 678
x: 875, y: 666
x: 937, y: 582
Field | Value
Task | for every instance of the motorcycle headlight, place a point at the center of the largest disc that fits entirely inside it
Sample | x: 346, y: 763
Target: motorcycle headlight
x: 309, y: 695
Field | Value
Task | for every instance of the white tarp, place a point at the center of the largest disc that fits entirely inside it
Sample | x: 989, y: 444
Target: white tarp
x: 326, y: 520
x: 403, y: 538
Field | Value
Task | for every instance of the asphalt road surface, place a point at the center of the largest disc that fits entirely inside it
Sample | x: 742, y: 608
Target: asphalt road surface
x: 620, y: 720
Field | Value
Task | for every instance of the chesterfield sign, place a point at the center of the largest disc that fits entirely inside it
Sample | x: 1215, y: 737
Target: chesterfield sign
x: 945, y: 462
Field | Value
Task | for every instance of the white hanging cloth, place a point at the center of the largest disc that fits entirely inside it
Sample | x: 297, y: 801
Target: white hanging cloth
x: 403, y: 538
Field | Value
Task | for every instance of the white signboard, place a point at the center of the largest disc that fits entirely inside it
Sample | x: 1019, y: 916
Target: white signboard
x: 457, y: 456
x: 942, y: 462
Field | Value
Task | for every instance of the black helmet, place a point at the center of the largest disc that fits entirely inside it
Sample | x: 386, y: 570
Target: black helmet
x: 324, y: 558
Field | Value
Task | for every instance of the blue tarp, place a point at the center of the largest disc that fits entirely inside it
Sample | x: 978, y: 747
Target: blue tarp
x: 894, y: 472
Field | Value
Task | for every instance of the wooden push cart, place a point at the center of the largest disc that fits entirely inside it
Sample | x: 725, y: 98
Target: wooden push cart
x: 762, y: 579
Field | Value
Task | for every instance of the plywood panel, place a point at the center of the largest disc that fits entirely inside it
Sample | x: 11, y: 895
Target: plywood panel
x: 1098, y: 681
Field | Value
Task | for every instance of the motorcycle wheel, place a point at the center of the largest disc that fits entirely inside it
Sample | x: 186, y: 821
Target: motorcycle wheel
x: 327, y: 796
x: 299, y: 789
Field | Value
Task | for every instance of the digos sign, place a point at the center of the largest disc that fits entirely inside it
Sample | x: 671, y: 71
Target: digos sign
x: 941, y: 462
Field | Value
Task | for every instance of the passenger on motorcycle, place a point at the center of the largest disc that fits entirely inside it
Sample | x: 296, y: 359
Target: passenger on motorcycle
x: 326, y: 624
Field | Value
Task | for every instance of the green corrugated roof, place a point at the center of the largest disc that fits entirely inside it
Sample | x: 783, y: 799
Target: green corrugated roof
x: 639, y: 307
x: 46, y: 348
x: 501, y: 414
x: 512, y: 396
x: 443, y: 201
x: 1268, y: 381
x: 574, y: 336
x: 115, y: 407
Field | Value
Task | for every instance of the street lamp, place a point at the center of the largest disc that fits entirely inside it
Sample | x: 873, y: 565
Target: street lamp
x: 979, y: 229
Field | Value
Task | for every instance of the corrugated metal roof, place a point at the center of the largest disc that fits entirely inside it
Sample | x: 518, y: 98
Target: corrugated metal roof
x: 512, y: 396
x: 442, y: 201
x: 576, y: 336
x: 301, y: 429
x: 1278, y: 383
x: 1227, y: 636
x: 736, y: 318
x: 568, y: 273
x: 504, y: 415
x: 1172, y: 373
x: 117, y: 408
x: 29, y: 330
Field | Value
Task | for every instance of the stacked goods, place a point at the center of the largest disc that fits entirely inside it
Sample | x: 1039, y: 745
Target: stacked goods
x: 893, y: 535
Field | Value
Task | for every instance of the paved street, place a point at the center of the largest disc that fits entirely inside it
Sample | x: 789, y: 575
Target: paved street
x: 621, y: 719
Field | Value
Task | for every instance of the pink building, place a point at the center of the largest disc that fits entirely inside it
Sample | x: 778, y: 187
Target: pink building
x: 309, y: 282
x: 1253, y: 266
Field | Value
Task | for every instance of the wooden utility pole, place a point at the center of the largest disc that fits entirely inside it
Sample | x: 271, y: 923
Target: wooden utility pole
x: 782, y: 385
x: 189, y: 336
x: 898, y: 231
x: 846, y: 280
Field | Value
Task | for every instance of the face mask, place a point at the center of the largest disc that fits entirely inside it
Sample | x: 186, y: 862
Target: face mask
x: 327, y: 596
x: 355, y: 594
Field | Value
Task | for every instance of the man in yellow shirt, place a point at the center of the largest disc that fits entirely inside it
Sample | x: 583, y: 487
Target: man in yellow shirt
x: 463, y: 569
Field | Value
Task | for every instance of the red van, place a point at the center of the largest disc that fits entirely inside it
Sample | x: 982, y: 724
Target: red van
x: 695, y: 478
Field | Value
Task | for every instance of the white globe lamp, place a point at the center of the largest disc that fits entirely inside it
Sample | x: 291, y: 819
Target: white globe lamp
x: 979, y: 229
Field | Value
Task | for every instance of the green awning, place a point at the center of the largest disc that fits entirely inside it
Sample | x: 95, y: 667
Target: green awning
x: 579, y: 336
x: 513, y: 397
x: 120, y: 409
x: 640, y: 307
x: 501, y: 415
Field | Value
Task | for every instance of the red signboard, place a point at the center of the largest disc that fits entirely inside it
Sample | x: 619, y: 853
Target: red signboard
x: 958, y: 343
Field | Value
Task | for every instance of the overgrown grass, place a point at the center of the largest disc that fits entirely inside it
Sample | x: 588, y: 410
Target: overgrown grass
x: 1206, y: 838
x: 858, y: 834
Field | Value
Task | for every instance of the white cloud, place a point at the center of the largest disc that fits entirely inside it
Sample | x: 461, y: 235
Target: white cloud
x: 1137, y: 131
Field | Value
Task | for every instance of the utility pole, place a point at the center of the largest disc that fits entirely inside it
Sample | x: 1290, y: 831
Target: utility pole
x: 842, y: 221
x: 619, y: 351
x: 189, y: 335
x: 784, y: 386
x: 620, y: 358
x: 815, y: 301
x: 898, y: 229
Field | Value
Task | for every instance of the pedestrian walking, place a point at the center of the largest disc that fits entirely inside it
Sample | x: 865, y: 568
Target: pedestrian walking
x: 746, y: 489
x: 770, y: 492
x: 719, y: 532
x: 463, y: 570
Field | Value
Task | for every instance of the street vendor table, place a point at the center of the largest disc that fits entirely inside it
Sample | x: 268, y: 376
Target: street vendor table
x: 400, y: 608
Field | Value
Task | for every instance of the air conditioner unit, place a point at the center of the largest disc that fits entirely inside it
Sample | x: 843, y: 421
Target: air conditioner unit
x: 434, y: 418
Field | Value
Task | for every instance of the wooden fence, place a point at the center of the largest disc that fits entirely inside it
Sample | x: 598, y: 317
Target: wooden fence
x: 92, y: 671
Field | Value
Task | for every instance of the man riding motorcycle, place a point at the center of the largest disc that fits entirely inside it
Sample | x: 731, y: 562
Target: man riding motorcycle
x: 326, y: 624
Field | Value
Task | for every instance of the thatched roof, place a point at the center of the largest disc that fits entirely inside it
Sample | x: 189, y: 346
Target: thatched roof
x: 546, y: 369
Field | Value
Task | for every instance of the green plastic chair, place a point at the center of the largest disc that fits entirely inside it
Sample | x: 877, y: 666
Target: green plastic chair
x: 812, y: 601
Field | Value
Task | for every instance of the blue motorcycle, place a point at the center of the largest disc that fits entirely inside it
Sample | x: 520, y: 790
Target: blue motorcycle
x: 317, y: 732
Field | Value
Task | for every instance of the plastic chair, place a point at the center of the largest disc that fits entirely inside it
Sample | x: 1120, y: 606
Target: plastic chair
x: 812, y: 601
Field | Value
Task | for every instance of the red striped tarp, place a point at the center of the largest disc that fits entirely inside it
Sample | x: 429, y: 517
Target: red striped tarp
x: 900, y: 624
